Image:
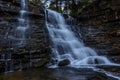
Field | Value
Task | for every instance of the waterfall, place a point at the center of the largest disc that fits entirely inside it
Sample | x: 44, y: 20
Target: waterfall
x: 66, y: 45
x: 23, y: 24
x: 22, y: 27
x: 19, y: 35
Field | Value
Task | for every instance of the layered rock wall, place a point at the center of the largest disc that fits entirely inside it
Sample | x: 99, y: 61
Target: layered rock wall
x: 100, y: 26
x: 36, y: 52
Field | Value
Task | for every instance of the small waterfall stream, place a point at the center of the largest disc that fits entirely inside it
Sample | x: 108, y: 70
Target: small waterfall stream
x: 22, y: 27
x: 23, y: 24
x: 67, y: 46
x: 19, y: 35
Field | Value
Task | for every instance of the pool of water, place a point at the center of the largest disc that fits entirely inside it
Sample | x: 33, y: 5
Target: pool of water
x: 63, y: 73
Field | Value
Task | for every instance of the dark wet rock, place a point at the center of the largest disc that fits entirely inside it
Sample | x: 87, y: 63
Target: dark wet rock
x: 41, y: 63
x: 2, y: 66
x: 36, y: 51
x: 99, y: 23
x: 64, y: 62
x: 111, y: 68
x: 100, y: 76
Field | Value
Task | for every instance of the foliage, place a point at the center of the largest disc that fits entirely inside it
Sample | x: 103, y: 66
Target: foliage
x: 71, y: 7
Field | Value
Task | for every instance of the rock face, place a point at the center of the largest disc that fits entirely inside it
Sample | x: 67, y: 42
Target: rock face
x: 100, y: 76
x: 100, y: 26
x: 36, y: 52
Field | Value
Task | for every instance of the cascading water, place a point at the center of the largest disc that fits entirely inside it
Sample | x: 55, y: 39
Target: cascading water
x: 18, y: 37
x: 23, y: 24
x: 66, y: 45
x: 22, y: 27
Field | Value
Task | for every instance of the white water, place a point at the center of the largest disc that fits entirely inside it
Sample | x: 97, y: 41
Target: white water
x: 22, y: 27
x: 67, y: 46
x: 23, y: 24
x: 20, y: 31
